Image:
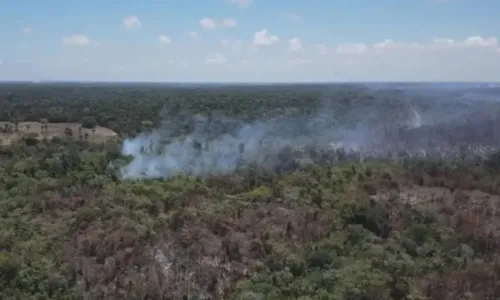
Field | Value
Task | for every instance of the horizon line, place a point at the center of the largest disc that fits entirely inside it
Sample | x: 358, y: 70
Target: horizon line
x: 249, y: 82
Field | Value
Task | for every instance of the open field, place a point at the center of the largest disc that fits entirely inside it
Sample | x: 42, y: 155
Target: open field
x: 254, y: 192
x: 100, y: 134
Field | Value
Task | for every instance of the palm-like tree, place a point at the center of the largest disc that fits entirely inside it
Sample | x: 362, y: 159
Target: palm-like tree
x: 44, y: 125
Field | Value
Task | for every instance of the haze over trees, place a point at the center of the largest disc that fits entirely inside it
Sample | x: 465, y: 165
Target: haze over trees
x: 304, y: 220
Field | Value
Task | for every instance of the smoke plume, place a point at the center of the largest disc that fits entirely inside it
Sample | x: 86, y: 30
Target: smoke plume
x: 217, y: 144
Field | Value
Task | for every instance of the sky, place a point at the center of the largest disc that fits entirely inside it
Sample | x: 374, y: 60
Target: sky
x: 250, y: 40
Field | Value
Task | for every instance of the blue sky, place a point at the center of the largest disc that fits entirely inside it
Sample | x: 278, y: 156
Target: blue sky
x: 250, y: 41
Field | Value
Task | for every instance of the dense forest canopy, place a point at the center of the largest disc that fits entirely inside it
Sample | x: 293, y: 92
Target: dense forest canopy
x: 307, y: 222
x: 123, y: 107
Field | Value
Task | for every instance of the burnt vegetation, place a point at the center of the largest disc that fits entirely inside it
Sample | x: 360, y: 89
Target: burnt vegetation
x: 415, y: 216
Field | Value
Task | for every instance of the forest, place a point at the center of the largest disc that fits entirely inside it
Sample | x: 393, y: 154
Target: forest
x: 339, y: 192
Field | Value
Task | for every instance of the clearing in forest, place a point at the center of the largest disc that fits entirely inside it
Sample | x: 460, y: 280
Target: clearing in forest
x: 9, y: 133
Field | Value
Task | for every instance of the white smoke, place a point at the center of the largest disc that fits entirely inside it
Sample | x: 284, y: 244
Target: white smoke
x: 211, y: 148
x: 416, y: 119
x: 200, y: 145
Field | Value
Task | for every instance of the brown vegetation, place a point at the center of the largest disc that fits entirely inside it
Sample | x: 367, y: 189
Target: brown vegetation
x: 339, y: 229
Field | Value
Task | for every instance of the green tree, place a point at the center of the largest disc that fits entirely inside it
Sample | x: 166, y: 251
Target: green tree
x: 146, y: 125
x: 89, y: 122
x: 68, y: 132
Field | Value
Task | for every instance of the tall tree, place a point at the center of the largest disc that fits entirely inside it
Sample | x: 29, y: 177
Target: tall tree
x: 68, y: 132
x: 44, y: 126
x: 89, y: 122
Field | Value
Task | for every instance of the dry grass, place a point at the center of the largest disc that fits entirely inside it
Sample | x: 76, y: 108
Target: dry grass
x: 101, y: 134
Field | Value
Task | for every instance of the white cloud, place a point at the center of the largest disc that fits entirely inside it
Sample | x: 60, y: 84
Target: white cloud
x: 216, y: 59
x: 443, y: 41
x: 385, y: 44
x: 448, y: 58
x: 194, y: 36
x: 164, y: 39
x: 389, y: 44
x: 478, y: 41
x: 242, y: 3
x: 228, y: 22
x: 76, y: 40
x: 292, y: 17
x: 209, y: 23
x: 26, y: 30
x: 264, y: 38
x: 1, y: 62
x: 131, y: 22
x: 438, y: 43
x: 470, y: 42
x: 295, y: 45
x: 355, y: 49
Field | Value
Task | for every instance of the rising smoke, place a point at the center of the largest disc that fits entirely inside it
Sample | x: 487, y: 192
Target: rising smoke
x: 203, y: 151
x: 216, y: 144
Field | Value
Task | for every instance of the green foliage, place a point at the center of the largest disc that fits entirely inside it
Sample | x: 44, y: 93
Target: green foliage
x: 368, y: 213
x: 89, y: 122
x: 261, y: 193
x: 70, y: 229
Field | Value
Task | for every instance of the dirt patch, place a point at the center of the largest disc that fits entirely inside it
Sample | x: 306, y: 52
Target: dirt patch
x: 100, y: 134
x: 439, y: 197
x: 425, y: 196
